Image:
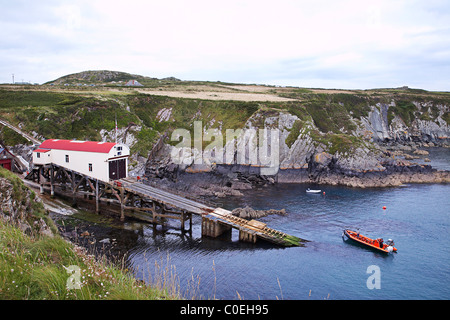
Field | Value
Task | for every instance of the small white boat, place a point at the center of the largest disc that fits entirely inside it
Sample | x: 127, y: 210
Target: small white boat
x: 313, y: 190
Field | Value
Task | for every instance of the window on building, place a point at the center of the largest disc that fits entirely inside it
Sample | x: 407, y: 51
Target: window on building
x: 38, y: 154
x: 90, y: 167
x: 67, y: 158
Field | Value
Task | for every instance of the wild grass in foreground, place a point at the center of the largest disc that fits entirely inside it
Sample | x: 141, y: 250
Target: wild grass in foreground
x: 51, y: 268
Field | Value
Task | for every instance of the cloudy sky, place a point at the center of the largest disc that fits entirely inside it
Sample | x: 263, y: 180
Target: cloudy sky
x: 349, y: 44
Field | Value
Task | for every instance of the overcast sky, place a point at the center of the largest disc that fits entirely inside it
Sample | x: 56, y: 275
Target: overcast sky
x: 351, y: 44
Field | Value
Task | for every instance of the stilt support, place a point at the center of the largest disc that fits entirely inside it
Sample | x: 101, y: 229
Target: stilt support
x: 52, y: 183
x: 212, y: 228
x: 247, y: 236
x: 97, y: 197
x: 186, y: 216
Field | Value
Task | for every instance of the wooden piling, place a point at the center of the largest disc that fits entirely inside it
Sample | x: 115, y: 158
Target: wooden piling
x: 74, y: 190
x: 247, y: 236
x: 52, y: 184
x: 97, y: 197
x: 213, y: 228
x: 122, y: 204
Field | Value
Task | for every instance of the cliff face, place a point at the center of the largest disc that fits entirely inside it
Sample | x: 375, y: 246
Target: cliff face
x: 422, y: 122
x: 21, y: 207
x: 317, y: 136
x: 367, y: 151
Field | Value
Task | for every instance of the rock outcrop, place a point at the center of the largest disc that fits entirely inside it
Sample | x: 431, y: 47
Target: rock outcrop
x: 21, y: 207
x: 250, y: 213
x: 424, y: 122
x: 371, y: 150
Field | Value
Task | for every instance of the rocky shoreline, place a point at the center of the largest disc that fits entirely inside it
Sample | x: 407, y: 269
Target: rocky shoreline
x: 375, y: 148
x: 215, y: 185
x: 234, y: 180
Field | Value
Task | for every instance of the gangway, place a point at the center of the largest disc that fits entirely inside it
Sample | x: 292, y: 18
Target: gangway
x: 142, y: 201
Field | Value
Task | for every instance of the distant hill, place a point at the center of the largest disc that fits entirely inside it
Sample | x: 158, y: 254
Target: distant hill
x: 104, y: 77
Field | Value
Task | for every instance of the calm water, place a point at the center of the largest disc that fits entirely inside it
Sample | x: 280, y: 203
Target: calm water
x: 417, y: 218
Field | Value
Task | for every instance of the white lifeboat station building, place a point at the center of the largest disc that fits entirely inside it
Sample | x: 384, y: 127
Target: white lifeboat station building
x: 104, y: 161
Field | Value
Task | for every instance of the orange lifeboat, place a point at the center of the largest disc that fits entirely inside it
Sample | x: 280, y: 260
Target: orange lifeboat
x: 376, y: 244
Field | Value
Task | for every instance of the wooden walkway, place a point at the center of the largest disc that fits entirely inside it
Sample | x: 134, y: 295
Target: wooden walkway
x: 253, y: 229
x: 219, y: 217
x: 165, y: 197
x: 152, y: 204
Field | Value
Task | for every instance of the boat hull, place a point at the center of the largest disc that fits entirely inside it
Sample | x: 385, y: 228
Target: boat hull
x: 367, y: 242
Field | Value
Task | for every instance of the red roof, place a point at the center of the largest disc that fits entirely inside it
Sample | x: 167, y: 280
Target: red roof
x: 73, y: 145
x: 41, y: 150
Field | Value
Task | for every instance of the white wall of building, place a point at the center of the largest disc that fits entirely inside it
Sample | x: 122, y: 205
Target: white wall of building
x: 79, y: 161
x: 93, y: 164
x: 42, y: 158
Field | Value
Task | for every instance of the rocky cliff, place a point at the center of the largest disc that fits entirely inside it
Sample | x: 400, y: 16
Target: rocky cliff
x: 20, y: 207
x: 356, y: 138
x: 365, y: 147
x: 411, y: 121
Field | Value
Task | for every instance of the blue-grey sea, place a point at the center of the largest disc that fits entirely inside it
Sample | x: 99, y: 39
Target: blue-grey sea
x: 417, y: 218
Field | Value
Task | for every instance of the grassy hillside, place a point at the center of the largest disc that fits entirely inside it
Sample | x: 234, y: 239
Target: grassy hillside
x: 81, y: 113
x: 63, y: 115
x: 100, y: 77
x: 33, y: 266
x: 67, y: 115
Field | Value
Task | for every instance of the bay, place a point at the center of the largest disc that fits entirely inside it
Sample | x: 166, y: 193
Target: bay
x: 417, y: 218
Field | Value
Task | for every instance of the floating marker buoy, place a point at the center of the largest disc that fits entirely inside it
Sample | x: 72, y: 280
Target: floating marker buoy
x: 324, y: 193
x: 384, y: 207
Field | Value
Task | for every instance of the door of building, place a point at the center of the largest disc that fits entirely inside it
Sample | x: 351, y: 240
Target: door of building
x: 117, y: 169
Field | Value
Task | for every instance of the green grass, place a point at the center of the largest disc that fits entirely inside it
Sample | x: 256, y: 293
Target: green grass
x: 14, y: 99
x: 147, y: 137
x: 294, y: 133
x: 36, y: 269
x: 446, y: 117
x: 336, y: 142
x: 329, y: 115
x: 75, y: 116
x: 34, y: 266
x: 63, y: 115
x: 342, y: 143
x: 10, y: 137
x: 404, y: 109
x: 213, y: 114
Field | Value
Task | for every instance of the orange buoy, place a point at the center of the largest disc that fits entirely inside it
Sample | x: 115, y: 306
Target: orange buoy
x: 384, y: 207
x: 324, y: 193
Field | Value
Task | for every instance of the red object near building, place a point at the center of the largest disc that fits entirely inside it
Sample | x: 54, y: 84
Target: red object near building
x: 7, y: 164
x: 6, y: 158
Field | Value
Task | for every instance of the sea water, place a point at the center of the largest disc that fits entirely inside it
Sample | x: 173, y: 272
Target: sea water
x: 326, y: 267
x: 417, y: 218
